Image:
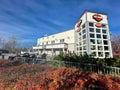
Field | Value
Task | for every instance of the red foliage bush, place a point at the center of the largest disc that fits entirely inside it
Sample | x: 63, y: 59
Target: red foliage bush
x: 36, y: 77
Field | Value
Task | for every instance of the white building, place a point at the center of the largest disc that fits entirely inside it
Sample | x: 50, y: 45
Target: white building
x: 91, y: 35
x: 53, y: 44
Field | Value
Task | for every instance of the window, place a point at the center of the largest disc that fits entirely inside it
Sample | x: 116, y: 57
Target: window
x: 83, y: 26
x: 46, y: 43
x: 80, y: 33
x: 84, y: 36
x: 104, y: 31
x: 83, y: 31
x: 84, y: 53
x: 98, y: 36
x: 104, y: 36
x: 92, y: 47
x: 107, y: 54
x: 92, y: 41
x: 61, y: 40
x: 80, y: 38
x: 97, y: 30
x: 80, y: 48
x: 91, y: 24
x: 93, y: 54
x: 106, y: 48
x: 92, y: 36
x: 53, y: 42
x: 105, y: 42
x: 80, y: 53
x: 91, y: 29
x: 84, y: 47
x: 42, y: 43
x: 103, y: 26
x: 84, y: 42
x: 100, y: 54
x: 99, y: 41
x: 100, y: 48
x: 80, y: 43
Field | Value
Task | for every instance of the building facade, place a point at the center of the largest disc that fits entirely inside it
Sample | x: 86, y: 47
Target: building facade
x: 53, y: 44
x: 91, y: 35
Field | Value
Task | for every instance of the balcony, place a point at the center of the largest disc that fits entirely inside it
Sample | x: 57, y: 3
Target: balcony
x: 51, y: 46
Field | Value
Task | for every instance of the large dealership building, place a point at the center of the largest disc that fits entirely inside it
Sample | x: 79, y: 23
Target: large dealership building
x: 90, y: 35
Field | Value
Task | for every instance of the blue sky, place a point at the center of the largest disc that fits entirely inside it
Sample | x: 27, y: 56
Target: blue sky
x: 31, y: 19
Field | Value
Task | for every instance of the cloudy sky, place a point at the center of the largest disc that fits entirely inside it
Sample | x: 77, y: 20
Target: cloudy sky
x: 30, y: 19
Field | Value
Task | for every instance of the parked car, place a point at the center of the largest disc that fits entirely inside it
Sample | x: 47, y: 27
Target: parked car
x: 32, y: 55
x: 11, y: 57
x: 25, y: 55
x: 43, y: 56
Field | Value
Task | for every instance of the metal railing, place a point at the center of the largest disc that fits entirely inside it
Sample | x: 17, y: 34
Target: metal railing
x: 114, y: 71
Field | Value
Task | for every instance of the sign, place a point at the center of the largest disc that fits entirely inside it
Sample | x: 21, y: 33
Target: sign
x: 98, y: 18
x: 77, y: 26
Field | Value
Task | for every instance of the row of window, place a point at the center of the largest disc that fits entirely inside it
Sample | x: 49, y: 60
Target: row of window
x: 98, y: 30
x: 93, y: 47
x: 92, y: 29
x: 99, y: 36
x: 100, y: 54
x: 52, y: 42
x: 92, y: 41
x: 92, y: 35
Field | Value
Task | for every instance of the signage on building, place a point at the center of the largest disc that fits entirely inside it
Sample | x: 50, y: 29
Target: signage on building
x: 98, y: 18
x: 77, y: 26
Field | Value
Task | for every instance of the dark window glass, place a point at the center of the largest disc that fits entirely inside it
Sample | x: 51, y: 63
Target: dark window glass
x: 92, y: 41
x: 98, y: 30
x: 99, y: 41
x: 98, y: 36
x: 104, y: 31
x: 100, y: 48
x: 92, y: 35
x: 100, y: 54
x: 46, y: 43
x: 80, y: 48
x: 83, y: 26
x: 91, y: 24
x: 105, y: 42
x: 91, y: 29
x: 106, y: 54
x: 83, y: 31
x: 105, y: 47
x: 84, y: 36
x: 93, y: 54
x: 104, y: 36
x: 103, y: 26
x: 80, y: 33
x: 62, y: 41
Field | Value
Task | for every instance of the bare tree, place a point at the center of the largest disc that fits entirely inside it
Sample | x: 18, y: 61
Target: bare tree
x: 11, y: 44
x: 2, y: 42
x: 116, y: 43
